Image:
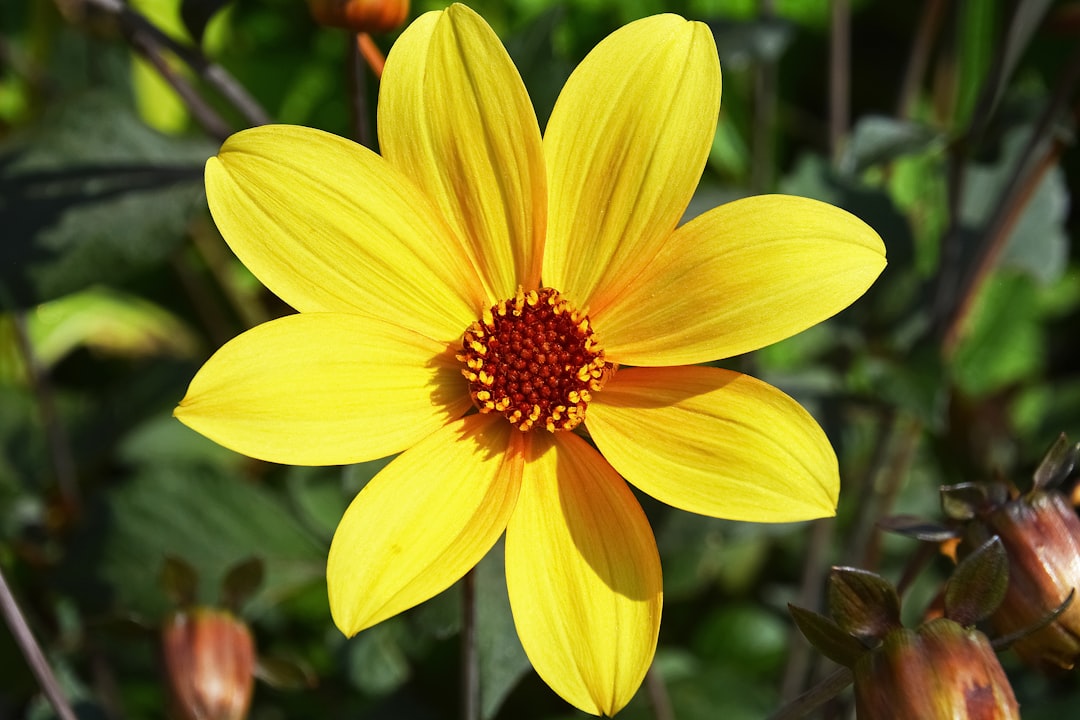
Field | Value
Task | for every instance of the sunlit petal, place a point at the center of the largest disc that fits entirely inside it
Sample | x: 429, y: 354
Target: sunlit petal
x: 424, y: 521
x: 328, y: 225
x: 325, y: 389
x: 456, y: 118
x: 583, y: 575
x: 715, y: 442
x: 740, y: 277
x: 625, y: 147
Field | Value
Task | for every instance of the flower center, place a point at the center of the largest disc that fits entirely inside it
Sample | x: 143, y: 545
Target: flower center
x: 534, y: 359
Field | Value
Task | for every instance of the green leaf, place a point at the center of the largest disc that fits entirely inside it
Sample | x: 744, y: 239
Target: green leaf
x: 377, y: 664
x: 878, y: 139
x: 207, y: 518
x: 502, y: 660
x: 1039, y: 243
x: 978, y: 584
x: 92, y: 196
x: 1004, y: 341
x: 196, y: 14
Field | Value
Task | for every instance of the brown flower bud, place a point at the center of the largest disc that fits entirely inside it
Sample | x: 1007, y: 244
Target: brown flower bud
x: 370, y: 16
x: 940, y: 670
x: 209, y: 664
x: 1041, y: 535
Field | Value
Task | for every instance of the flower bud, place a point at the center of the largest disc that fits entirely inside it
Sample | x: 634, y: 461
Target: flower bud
x: 940, y: 670
x: 1041, y: 535
x: 370, y: 16
x: 209, y: 663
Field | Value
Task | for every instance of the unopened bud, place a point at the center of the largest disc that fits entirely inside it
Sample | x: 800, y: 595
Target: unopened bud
x: 370, y: 16
x: 940, y: 670
x: 1041, y: 535
x: 209, y: 663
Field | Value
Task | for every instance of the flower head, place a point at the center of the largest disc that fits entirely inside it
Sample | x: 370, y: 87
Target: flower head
x: 474, y: 298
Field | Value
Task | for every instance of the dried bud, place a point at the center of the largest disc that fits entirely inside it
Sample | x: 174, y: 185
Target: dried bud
x: 209, y: 663
x: 940, y: 670
x: 370, y: 16
x: 1041, y: 535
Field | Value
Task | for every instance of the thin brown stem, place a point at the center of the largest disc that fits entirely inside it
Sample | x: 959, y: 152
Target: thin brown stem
x: 815, y: 697
x: 659, y: 698
x: 211, y: 73
x: 1040, y: 155
x: 35, y: 658
x: 147, y: 46
x: 919, y: 59
x: 800, y: 654
x: 764, y: 116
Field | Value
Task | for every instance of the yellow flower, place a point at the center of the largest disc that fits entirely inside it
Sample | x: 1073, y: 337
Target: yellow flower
x: 474, y: 265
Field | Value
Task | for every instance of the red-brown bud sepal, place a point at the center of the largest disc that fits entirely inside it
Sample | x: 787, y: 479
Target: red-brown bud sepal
x: 1040, y: 532
x: 942, y: 669
x: 368, y: 16
x: 209, y: 664
x: 939, y: 670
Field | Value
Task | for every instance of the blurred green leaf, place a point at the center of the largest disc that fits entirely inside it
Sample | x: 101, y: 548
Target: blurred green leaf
x: 209, y: 520
x: 879, y: 139
x: 377, y: 664
x: 502, y: 659
x: 92, y: 195
x: 1038, y: 243
x: 1003, y: 343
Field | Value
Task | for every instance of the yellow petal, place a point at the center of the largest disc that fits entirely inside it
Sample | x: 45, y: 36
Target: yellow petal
x: 328, y: 225
x: 625, y: 147
x: 454, y: 115
x: 424, y: 521
x: 325, y: 389
x: 715, y: 442
x: 740, y: 277
x: 583, y: 575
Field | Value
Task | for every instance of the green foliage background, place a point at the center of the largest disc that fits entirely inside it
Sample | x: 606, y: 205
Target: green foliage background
x: 115, y: 286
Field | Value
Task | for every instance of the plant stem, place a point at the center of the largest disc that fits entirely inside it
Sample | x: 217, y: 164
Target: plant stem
x: 35, y: 658
x: 839, y: 77
x: 470, y: 658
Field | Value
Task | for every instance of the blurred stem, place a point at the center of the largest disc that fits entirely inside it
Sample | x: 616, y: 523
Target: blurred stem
x: 839, y: 77
x: 815, y: 697
x: 371, y: 53
x: 764, y: 115
x: 811, y: 590
x: 211, y: 73
x: 659, y: 697
x: 1043, y: 149
x: 901, y: 440
x: 470, y: 658
x: 146, y: 45
x: 358, y: 90
x: 210, y: 247
x: 922, y: 44
x: 35, y: 658
x: 55, y: 436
